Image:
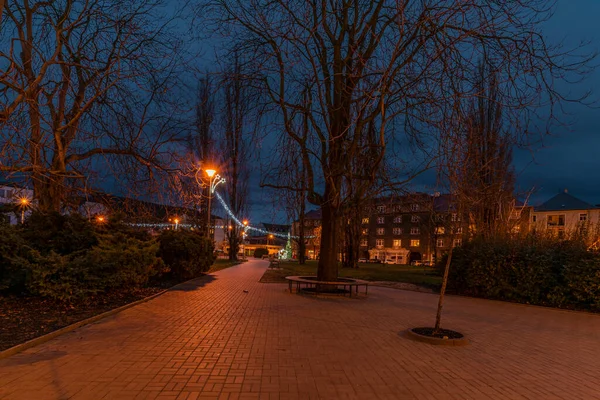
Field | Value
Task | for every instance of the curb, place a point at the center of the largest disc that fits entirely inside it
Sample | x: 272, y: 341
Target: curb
x: 409, y: 334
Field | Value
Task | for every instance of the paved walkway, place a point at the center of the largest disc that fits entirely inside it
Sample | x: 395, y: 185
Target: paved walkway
x: 213, y: 340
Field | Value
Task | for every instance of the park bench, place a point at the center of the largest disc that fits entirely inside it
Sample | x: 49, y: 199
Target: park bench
x: 311, y: 282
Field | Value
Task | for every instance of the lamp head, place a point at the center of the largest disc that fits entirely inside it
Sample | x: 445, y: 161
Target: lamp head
x: 210, y: 172
x: 24, y: 201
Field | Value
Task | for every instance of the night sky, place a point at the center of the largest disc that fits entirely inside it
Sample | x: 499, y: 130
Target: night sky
x: 568, y: 159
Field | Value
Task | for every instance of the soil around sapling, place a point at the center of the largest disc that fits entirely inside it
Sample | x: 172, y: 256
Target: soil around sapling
x: 441, y: 334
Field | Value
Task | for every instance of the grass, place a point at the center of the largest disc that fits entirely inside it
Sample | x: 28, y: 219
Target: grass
x: 367, y: 271
x: 220, y: 264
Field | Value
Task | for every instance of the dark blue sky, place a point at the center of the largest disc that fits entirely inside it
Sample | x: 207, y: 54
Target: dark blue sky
x: 568, y: 159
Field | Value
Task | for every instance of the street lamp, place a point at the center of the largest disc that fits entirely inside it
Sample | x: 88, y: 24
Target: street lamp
x: 176, y: 223
x: 211, y: 189
x: 24, y: 203
x: 100, y: 219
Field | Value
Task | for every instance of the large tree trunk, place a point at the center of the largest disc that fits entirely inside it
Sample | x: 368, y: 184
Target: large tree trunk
x: 328, y: 263
x: 48, y: 192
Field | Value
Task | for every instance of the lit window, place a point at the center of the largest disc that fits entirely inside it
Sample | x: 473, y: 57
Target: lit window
x: 457, y: 242
x: 365, y: 231
x: 414, y: 207
x: 380, y: 231
x: 415, y: 243
x: 379, y: 242
x: 397, y: 231
x: 380, y: 220
x: 440, y: 243
x: 398, y: 219
x: 365, y: 220
x: 397, y: 243
x: 415, y: 231
x: 440, y: 230
x: 415, y: 218
x: 556, y: 220
x: 583, y: 217
x: 459, y: 230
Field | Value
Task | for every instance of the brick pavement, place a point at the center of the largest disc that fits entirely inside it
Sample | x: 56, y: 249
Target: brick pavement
x: 210, y: 340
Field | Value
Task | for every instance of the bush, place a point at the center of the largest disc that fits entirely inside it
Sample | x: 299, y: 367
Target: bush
x: 62, y: 234
x: 534, y: 270
x: 116, y: 262
x: 260, y: 252
x: 13, y: 259
x: 187, y: 254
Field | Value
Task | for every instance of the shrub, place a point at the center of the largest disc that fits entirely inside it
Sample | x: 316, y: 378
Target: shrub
x: 62, y: 234
x: 118, y: 261
x: 187, y: 254
x: 260, y: 252
x: 534, y: 269
x: 13, y: 259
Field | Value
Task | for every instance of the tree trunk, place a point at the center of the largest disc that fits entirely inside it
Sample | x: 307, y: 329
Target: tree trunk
x: 438, y: 316
x: 48, y: 192
x: 328, y: 263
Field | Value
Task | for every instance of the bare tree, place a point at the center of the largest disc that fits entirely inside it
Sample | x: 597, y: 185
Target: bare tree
x: 368, y: 62
x: 236, y: 118
x: 82, y: 79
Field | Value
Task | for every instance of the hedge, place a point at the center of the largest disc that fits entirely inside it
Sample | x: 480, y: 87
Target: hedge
x: 532, y: 270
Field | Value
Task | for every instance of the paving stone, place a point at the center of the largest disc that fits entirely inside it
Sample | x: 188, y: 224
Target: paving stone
x: 211, y: 340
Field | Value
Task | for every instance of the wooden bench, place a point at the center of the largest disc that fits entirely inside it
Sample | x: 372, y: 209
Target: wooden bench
x: 309, y: 281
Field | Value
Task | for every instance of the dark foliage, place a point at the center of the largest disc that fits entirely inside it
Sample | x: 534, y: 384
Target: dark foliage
x: 62, y: 234
x: 259, y: 252
x: 533, y: 270
x: 186, y: 253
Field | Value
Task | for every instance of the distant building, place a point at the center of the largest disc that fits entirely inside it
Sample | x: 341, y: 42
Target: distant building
x: 566, y: 214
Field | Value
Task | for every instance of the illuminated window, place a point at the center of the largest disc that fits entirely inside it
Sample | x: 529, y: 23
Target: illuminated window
x: 440, y: 243
x: 379, y: 242
x: 365, y: 220
x: 440, y: 230
x: 397, y: 243
x: 380, y: 231
x: 415, y: 243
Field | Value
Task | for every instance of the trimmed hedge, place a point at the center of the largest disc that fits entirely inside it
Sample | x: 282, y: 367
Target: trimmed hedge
x: 533, y: 270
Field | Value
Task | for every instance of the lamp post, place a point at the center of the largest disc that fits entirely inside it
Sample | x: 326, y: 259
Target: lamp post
x: 176, y: 223
x: 24, y: 203
x: 212, y: 184
x: 245, y: 222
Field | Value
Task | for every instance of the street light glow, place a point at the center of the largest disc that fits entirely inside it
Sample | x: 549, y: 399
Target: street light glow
x: 210, y: 172
x: 100, y: 218
x: 24, y: 201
